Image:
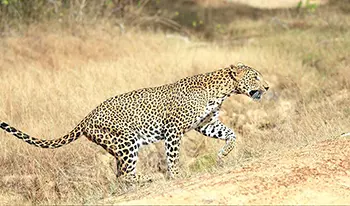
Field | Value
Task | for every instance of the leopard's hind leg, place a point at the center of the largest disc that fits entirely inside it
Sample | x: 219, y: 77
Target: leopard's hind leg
x: 127, y: 156
x: 124, y: 147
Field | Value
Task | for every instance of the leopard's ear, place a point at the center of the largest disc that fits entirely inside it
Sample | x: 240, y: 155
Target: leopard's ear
x: 240, y: 65
x: 235, y: 71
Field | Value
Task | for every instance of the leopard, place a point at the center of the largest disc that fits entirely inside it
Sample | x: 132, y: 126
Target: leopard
x: 124, y: 123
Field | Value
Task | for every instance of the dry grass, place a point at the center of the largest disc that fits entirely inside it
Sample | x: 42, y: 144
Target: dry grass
x: 51, y: 78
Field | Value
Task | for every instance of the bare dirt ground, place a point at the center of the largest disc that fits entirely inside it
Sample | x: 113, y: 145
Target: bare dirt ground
x: 315, y: 174
x: 276, y: 4
x: 266, y: 4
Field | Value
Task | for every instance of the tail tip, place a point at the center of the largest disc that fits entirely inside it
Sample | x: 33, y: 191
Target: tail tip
x: 3, y: 125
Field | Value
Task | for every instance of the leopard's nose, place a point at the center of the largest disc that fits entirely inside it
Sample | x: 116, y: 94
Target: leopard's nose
x: 266, y: 88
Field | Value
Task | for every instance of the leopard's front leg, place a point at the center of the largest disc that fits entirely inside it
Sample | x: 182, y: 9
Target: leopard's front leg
x: 172, y: 151
x: 228, y: 147
x: 216, y: 129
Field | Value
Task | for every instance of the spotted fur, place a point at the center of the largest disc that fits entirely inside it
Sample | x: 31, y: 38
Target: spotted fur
x: 124, y: 123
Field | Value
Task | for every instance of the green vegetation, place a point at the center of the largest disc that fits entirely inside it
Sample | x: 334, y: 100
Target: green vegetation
x: 204, y: 163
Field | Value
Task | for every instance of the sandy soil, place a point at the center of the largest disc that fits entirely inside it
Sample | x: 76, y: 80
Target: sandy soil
x: 315, y: 174
x: 267, y: 4
x: 271, y: 4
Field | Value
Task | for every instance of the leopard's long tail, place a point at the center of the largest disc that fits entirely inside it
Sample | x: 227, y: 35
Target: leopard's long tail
x: 55, y: 143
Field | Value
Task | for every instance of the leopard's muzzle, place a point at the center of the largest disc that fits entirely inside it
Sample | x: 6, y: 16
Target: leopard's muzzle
x: 256, y: 94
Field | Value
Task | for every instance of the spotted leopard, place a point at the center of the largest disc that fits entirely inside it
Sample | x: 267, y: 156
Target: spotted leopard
x: 126, y: 122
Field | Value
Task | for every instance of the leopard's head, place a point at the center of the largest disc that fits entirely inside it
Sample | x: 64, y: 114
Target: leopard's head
x: 248, y: 81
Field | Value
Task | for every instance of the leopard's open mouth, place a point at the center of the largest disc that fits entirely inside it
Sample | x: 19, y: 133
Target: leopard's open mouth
x: 255, y: 94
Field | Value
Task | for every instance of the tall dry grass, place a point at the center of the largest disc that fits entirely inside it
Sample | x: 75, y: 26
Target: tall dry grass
x: 51, y: 78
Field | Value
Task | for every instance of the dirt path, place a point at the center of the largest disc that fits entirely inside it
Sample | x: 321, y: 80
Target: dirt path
x: 316, y: 174
x: 276, y: 4
x: 264, y: 4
